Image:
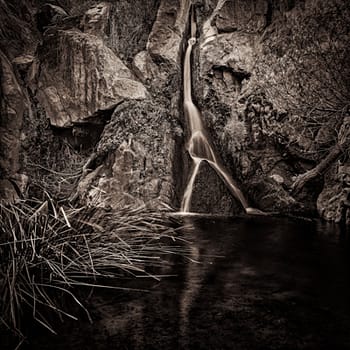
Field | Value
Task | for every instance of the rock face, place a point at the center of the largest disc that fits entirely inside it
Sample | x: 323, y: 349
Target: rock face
x: 240, y: 124
x: 250, y: 16
x: 106, y: 78
x: 261, y: 138
x: 137, y: 159
x: 80, y: 76
x: 164, y: 42
x: 159, y: 66
x: 134, y: 161
x: 13, y: 107
x: 210, y: 194
x: 333, y: 202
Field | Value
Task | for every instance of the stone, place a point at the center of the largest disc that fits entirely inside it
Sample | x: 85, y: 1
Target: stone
x: 137, y: 152
x: 14, y: 105
x: 23, y: 62
x: 146, y: 70
x: 333, y: 201
x: 271, y: 196
x: 21, y: 181
x: 278, y: 178
x: 8, y: 193
x: 211, y: 195
x: 95, y: 20
x: 80, y: 76
x: 233, y: 50
x: 165, y: 41
x: 242, y: 15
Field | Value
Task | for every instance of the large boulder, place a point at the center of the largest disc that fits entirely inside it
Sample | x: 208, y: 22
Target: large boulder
x: 211, y: 195
x: 165, y: 40
x: 80, y: 75
x: 134, y: 162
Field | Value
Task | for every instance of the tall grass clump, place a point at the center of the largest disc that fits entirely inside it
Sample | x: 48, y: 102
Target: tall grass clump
x: 48, y: 252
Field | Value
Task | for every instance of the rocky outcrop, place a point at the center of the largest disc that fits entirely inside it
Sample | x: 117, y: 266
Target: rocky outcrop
x: 241, y: 15
x: 13, y: 106
x: 165, y: 40
x: 140, y: 147
x: 129, y: 26
x: 80, y: 75
x: 333, y: 202
x: 134, y: 163
x: 81, y: 72
x: 160, y: 64
x: 261, y: 139
x: 234, y: 52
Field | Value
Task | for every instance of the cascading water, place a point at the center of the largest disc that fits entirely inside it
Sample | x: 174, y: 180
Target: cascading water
x: 198, y: 145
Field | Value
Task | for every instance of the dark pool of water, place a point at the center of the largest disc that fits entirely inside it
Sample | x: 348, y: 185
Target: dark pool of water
x: 260, y: 283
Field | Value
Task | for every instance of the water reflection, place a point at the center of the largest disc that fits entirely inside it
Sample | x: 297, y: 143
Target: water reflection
x: 253, y: 283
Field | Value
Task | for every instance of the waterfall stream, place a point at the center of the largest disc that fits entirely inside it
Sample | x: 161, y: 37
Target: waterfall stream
x: 198, y: 146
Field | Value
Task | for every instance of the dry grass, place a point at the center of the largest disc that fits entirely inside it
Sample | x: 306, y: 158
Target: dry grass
x: 49, y: 251
x: 57, y: 173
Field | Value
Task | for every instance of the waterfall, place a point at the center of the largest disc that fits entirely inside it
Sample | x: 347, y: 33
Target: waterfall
x: 198, y: 146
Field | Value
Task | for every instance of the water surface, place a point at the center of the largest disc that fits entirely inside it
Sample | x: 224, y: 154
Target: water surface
x: 256, y: 283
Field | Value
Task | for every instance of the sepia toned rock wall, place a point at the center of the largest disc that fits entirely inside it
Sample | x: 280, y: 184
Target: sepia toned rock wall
x: 105, y: 78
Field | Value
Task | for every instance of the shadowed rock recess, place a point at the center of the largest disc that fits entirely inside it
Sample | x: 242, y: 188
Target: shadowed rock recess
x: 97, y: 87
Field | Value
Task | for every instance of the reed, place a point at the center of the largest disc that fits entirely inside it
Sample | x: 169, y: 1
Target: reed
x: 48, y: 251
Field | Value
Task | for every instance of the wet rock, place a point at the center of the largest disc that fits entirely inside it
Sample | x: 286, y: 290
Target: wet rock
x: 211, y: 195
x: 80, y: 75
